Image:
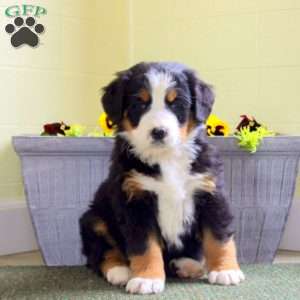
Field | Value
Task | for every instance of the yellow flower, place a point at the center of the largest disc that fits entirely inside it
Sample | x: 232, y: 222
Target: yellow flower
x: 216, y: 127
x: 106, y: 125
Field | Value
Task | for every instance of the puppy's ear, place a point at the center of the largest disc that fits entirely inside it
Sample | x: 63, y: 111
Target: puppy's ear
x: 202, y: 97
x: 113, y: 97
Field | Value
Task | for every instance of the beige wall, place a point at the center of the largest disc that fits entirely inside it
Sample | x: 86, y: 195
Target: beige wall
x: 248, y: 49
x: 84, y: 43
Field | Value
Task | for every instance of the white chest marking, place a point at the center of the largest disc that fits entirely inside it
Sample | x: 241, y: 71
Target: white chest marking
x: 175, y: 203
x: 174, y: 190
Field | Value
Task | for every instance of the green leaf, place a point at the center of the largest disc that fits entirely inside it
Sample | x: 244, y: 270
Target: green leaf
x: 75, y: 130
x: 250, y: 140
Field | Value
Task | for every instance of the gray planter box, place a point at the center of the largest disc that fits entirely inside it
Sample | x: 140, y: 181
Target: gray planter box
x: 61, y: 175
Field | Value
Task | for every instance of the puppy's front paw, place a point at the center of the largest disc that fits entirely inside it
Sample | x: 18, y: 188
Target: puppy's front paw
x: 140, y: 285
x: 226, y: 277
x: 118, y: 275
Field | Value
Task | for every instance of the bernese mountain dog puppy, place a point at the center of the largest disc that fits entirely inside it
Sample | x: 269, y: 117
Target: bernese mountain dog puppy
x: 162, y: 210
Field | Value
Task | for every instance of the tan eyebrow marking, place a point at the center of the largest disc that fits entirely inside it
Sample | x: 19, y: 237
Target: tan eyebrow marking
x: 171, y: 95
x: 144, y: 95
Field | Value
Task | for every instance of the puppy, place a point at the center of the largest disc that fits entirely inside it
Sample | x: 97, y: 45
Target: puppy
x: 162, y: 208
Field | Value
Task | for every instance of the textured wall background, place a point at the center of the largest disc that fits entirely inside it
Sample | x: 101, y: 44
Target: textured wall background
x: 59, y: 80
x: 248, y: 49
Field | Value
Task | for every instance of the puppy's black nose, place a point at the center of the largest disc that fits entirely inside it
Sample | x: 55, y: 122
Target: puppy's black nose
x: 158, y: 133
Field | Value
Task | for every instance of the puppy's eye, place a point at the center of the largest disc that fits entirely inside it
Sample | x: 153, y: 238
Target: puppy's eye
x: 143, y: 105
x: 172, y: 104
x: 139, y: 105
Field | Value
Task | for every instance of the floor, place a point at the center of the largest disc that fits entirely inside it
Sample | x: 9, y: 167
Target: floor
x: 264, y: 282
x: 35, y: 259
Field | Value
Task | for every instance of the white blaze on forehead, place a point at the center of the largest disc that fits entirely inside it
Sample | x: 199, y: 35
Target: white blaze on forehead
x: 159, y: 82
x: 158, y: 115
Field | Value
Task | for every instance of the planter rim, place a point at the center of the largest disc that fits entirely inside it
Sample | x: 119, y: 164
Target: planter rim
x: 47, y: 145
x: 35, y: 144
x: 272, y: 144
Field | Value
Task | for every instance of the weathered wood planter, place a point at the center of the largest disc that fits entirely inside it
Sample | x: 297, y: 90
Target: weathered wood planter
x: 61, y: 175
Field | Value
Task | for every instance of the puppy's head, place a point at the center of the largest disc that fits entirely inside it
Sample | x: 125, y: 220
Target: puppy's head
x: 156, y: 106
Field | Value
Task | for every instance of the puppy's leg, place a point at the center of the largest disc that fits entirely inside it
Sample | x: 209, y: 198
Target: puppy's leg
x: 101, y: 250
x: 143, y: 248
x: 114, y: 267
x: 148, y: 275
x: 217, y: 239
x: 221, y: 260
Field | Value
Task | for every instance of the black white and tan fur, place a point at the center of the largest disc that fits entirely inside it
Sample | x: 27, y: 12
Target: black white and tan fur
x: 162, y: 210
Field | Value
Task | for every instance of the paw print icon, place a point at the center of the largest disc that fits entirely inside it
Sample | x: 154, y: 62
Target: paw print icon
x: 24, y: 32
